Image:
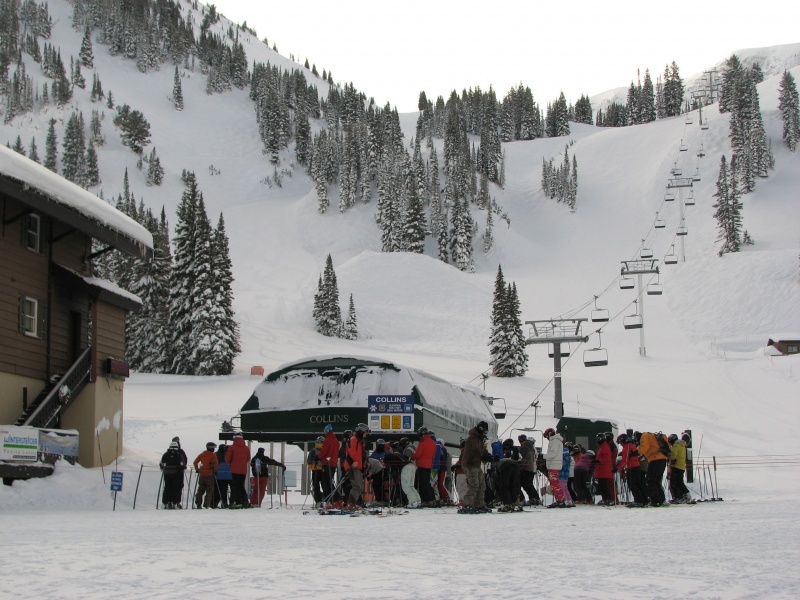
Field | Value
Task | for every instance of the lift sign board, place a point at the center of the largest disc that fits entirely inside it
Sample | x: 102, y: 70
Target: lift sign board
x: 391, y: 413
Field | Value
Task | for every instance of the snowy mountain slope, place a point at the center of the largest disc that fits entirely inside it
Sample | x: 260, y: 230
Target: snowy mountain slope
x: 420, y: 312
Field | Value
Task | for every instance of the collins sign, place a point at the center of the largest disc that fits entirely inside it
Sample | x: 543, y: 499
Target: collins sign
x: 391, y: 413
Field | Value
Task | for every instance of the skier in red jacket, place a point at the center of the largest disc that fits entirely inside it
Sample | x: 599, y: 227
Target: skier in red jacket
x: 238, y: 457
x: 423, y: 458
x: 328, y: 457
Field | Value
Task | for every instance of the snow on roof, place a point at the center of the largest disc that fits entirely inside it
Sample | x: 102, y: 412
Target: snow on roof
x: 43, y: 180
x: 346, y: 381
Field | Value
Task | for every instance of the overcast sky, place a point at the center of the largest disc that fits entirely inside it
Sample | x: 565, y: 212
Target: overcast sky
x: 394, y: 51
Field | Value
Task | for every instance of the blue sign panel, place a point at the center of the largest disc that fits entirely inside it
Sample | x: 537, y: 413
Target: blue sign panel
x: 391, y: 412
x: 116, y: 481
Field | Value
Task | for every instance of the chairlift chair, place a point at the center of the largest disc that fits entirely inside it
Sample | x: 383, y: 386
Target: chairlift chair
x: 689, y: 119
x: 696, y: 176
x: 704, y: 125
x: 599, y: 315
x: 690, y: 199
x: 633, y: 321
x: 659, y: 223
x: 551, y: 351
x: 682, y: 230
x: 626, y: 283
x: 676, y: 172
x: 682, y: 147
x: 671, y: 258
x: 669, y: 197
x: 596, y: 357
x: 701, y: 153
x: 655, y: 289
x: 646, y: 253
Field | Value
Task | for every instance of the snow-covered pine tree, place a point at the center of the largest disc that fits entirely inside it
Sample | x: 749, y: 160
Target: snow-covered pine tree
x: 182, y: 285
x: 789, y: 105
x: 507, y: 341
x: 33, y: 152
x: 329, y: 322
x: 155, y: 172
x: 729, y: 206
x: 520, y: 357
x: 73, y: 158
x: 351, y: 325
x: 96, y: 129
x: 86, y: 55
x: 461, y: 235
x: 18, y: 147
x: 731, y: 75
x: 488, y: 238
x: 498, y: 337
x: 91, y: 175
x: 647, y: 102
x: 177, y: 91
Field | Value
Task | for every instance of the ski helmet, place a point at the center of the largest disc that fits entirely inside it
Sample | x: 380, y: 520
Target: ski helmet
x: 422, y: 431
x: 380, y: 442
x: 549, y: 432
x: 622, y: 438
x: 173, y: 445
x: 238, y: 434
x: 509, y: 443
x: 522, y: 437
x: 482, y: 427
x: 600, y: 437
x: 404, y: 441
x: 347, y: 433
x: 590, y: 452
x: 362, y: 428
x: 319, y: 440
x: 673, y: 437
x: 609, y: 436
x: 211, y: 446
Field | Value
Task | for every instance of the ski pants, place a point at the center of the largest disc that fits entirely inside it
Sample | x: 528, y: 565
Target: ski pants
x: 476, y: 487
x: 326, y: 479
x: 316, y: 485
x: 205, y: 487
x: 407, y: 483
x: 508, y: 486
x: 238, y: 493
x: 422, y: 480
x: 461, y: 486
x: 258, y: 489
x: 583, y: 489
x: 564, y: 484
x: 222, y: 491
x: 655, y: 473
x: 356, y: 479
x: 526, y: 481
x: 440, y: 485
x: 173, y: 487
x: 552, y: 476
x: 677, y: 487
x: 377, y: 486
x: 637, y: 485
x: 606, y: 487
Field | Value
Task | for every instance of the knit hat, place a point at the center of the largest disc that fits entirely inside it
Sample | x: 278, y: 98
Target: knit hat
x: 238, y: 434
x: 173, y: 445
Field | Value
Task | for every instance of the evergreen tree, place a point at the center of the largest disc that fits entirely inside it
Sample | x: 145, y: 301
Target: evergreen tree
x: 329, y: 316
x: 18, y: 147
x: 73, y: 159
x: 461, y: 237
x: 507, y: 342
x: 155, y: 172
x: 789, y: 105
x: 647, y: 106
x: 96, y: 129
x: 135, y: 128
x: 351, y: 325
x: 86, y: 55
x: 177, y: 93
x: 51, y: 147
x: 33, y: 153
x: 92, y: 169
x: 488, y: 239
x: 729, y: 207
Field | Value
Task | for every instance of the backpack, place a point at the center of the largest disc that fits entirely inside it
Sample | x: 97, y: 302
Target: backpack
x: 663, y: 444
x: 497, y: 449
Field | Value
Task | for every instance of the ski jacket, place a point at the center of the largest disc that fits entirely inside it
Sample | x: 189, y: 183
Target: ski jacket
x: 474, y: 451
x: 677, y: 457
x: 426, y: 451
x: 223, y: 468
x: 238, y: 457
x: 259, y: 465
x: 329, y: 452
x: 394, y: 461
x: 374, y: 466
x: 437, y: 456
x: 555, y: 452
x: 648, y: 447
x: 566, y: 462
x: 629, y: 457
x: 313, y: 459
x: 206, y: 463
x: 603, y: 469
x: 172, y: 461
x: 586, y: 463
x: 355, y: 454
x: 527, y: 452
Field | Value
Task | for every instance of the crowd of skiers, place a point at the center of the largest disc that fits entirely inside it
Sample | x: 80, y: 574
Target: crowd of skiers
x: 344, y: 474
x: 221, y: 475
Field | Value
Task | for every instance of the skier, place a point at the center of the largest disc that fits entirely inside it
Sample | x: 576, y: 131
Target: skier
x: 354, y: 465
x: 443, y: 468
x: 603, y: 471
x: 172, y: 466
x: 394, y: 463
x: 583, y: 477
x: 527, y: 463
x: 614, y: 456
x: 563, y: 476
x: 205, y: 465
x: 328, y: 455
x: 408, y: 474
x: 223, y: 476
x: 423, y: 458
x: 656, y: 465
x: 316, y: 472
x: 630, y: 470
x: 238, y: 457
x: 375, y: 474
x: 461, y: 477
x: 473, y: 454
x: 554, y: 457
x: 259, y: 468
x: 677, y: 468
x: 507, y: 478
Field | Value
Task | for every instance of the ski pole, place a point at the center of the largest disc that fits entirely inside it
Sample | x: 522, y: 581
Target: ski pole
x: 714, y: 458
x: 137, y: 486
x: 188, y: 487
x: 194, y: 492
x: 158, y: 493
x: 711, y: 482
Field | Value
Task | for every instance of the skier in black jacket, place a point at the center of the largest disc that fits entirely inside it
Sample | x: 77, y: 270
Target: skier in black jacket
x: 173, y: 464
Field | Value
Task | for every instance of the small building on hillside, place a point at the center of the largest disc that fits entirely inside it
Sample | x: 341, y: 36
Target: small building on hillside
x: 785, y: 347
x: 62, y: 330
x: 294, y: 403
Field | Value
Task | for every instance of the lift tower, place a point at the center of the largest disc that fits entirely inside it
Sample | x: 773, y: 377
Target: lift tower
x: 556, y: 332
x: 639, y: 268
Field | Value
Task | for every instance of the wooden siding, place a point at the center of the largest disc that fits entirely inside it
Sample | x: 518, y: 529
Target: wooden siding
x: 109, y: 331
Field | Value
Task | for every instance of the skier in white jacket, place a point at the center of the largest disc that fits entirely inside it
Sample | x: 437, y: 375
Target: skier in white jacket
x: 554, y: 457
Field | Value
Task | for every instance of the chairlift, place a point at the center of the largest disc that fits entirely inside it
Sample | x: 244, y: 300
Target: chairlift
x: 626, y: 283
x: 599, y: 315
x: 635, y: 320
x: 696, y: 176
x: 659, y: 223
x: 690, y: 200
x: 669, y: 197
x: 596, y: 357
x: 671, y: 258
x: 701, y: 153
x: 646, y: 253
x: 655, y: 289
x: 689, y: 119
x: 682, y: 230
x: 682, y: 147
x: 704, y: 125
x: 551, y: 351
x: 498, y: 407
x: 676, y: 172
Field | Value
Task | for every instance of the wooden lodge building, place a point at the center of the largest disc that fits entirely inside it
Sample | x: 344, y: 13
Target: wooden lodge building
x: 62, y: 330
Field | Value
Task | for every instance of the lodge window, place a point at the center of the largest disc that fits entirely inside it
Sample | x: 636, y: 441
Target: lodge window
x: 29, y: 316
x: 791, y: 349
x: 33, y: 233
